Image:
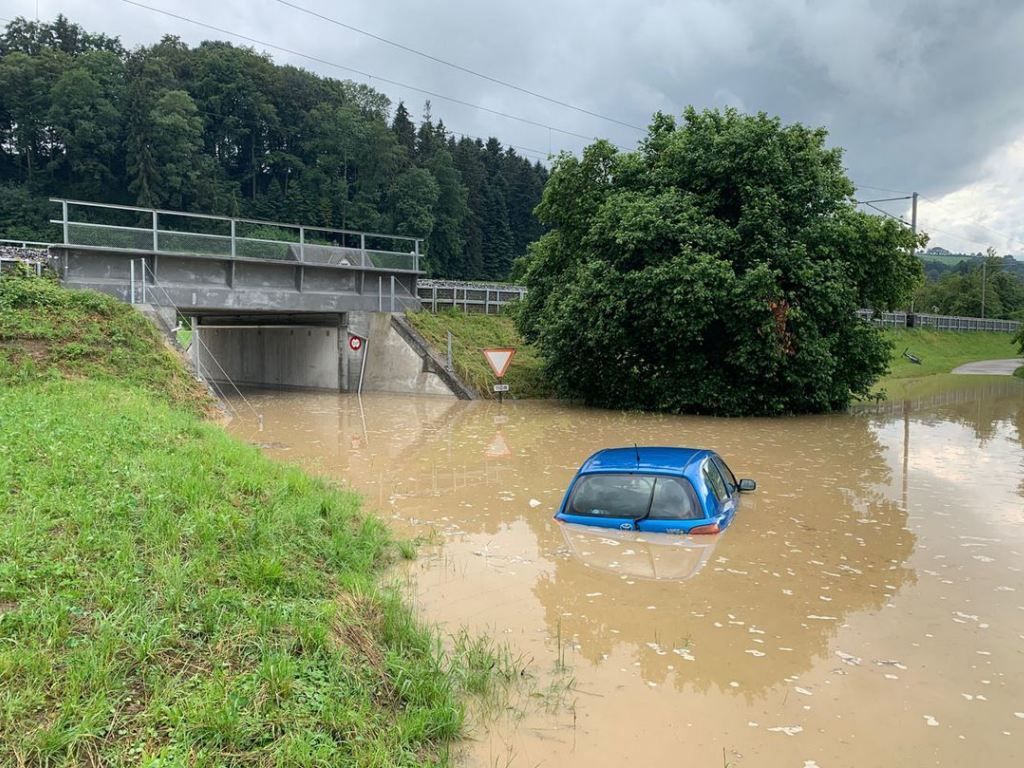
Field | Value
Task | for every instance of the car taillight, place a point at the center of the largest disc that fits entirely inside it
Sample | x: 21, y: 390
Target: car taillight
x: 713, y: 528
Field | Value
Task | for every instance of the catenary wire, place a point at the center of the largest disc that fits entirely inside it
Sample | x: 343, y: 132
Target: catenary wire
x: 459, y: 67
x: 1010, y: 239
x: 368, y: 75
x: 882, y: 189
x: 526, y: 150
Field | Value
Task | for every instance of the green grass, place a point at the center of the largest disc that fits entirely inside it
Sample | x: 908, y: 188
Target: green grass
x: 942, y: 351
x: 1019, y: 373
x: 170, y: 597
x: 471, y: 333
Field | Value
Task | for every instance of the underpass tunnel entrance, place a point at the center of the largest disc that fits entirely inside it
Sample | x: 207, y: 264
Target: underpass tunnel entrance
x: 277, y: 351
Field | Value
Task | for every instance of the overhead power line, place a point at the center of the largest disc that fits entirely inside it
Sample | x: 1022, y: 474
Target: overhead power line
x: 459, y: 67
x: 1009, y: 238
x: 883, y: 189
x: 368, y: 75
x: 525, y: 150
x: 870, y: 204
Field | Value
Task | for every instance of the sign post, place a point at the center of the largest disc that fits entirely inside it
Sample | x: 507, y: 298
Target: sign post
x: 358, y: 344
x: 499, y: 359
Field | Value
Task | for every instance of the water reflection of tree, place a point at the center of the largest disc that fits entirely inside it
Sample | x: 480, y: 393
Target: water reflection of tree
x: 821, y: 526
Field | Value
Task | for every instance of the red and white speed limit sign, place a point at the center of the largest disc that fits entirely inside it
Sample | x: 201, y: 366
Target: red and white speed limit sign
x: 355, y: 343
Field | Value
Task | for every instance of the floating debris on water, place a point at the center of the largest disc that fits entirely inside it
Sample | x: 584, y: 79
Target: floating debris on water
x: 789, y: 730
x: 848, y: 658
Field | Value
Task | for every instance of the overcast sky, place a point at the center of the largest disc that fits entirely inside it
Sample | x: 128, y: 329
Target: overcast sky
x: 924, y: 95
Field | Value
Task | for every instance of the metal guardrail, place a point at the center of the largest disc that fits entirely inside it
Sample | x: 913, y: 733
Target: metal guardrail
x: 469, y: 297
x: 152, y: 230
x: 938, y: 322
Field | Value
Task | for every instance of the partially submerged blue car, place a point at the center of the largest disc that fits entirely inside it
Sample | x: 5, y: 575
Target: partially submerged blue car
x: 656, y: 490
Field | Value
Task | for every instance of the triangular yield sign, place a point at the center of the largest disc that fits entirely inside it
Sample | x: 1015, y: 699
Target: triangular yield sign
x: 499, y: 359
x: 498, y: 447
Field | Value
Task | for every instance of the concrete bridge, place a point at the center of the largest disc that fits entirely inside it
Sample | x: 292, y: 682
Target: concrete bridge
x: 270, y: 304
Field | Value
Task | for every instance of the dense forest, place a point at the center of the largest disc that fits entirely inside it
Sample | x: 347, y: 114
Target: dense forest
x: 223, y: 129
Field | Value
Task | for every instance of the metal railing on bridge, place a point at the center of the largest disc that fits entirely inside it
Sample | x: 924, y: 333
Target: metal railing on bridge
x: 152, y: 230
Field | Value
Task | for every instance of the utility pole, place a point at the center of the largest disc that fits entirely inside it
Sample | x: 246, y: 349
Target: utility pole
x: 984, y: 264
x: 913, y: 221
x: 913, y: 228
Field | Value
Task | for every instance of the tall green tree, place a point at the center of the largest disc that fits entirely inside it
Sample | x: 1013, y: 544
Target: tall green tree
x: 468, y: 157
x: 85, y: 118
x: 717, y: 269
x: 445, y: 243
x: 25, y: 85
x: 404, y: 130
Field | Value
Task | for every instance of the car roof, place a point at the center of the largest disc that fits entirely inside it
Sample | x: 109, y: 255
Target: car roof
x: 651, y: 459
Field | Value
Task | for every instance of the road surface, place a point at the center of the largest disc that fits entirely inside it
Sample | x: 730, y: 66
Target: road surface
x: 991, y: 367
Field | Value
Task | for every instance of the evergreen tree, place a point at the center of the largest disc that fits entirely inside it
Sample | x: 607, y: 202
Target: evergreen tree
x: 404, y: 130
x: 445, y: 244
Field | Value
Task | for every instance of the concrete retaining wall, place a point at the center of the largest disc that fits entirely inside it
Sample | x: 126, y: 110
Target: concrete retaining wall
x: 393, y: 364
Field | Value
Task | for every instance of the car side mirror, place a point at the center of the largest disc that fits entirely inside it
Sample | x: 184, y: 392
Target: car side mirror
x: 748, y: 485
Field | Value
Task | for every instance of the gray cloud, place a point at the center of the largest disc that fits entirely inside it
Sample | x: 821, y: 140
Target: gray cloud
x: 921, y: 94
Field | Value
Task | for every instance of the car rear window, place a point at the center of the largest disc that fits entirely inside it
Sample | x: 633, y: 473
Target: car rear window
x: 633, y: 497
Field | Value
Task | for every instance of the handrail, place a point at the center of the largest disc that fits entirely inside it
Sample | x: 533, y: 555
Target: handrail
x: 213, y: 217
x: 25, y: 243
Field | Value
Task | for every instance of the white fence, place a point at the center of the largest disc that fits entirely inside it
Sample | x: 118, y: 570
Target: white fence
x: 485, y: 298
x: 938, y: 322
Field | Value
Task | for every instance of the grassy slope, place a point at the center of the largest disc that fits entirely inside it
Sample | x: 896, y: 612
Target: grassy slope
x: 942, y: 351
x: 47, y: 332
x: 473, y: 332
x: 170, y: 597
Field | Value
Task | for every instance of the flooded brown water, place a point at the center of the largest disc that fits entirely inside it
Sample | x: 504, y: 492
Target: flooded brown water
x: 866, y: 607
